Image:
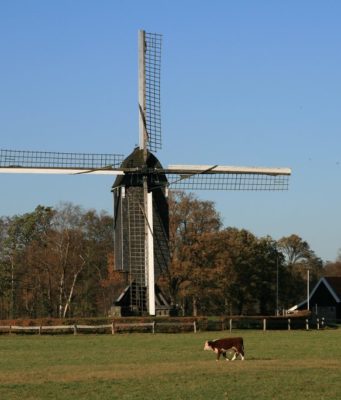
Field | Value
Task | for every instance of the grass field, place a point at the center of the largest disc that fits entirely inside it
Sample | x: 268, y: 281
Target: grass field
x: 279, y: 365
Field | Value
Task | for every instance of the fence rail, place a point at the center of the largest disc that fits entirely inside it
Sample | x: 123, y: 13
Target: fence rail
x: 263, y: 323
x: 114, y: 327
x: 227, y: 323
x: 51, y: 328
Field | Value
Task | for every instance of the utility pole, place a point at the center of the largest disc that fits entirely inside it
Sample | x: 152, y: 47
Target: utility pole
x: 277, y: 281
x: 308, y: 289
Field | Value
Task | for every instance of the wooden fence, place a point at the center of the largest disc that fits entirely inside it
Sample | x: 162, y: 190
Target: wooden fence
x: 163, y: 326
x: 112, y: 328
x: 286, y: 323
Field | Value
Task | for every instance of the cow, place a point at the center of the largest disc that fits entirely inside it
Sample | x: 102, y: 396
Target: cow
x: 221, y: 346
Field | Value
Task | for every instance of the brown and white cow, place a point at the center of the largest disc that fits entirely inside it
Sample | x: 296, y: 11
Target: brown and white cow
x: 221, y: 346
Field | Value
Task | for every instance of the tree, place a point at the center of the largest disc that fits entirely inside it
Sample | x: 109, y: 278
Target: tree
x: 99, y: 278
x: 189, y: 219
x: 298, y: 259
x: 52, y: 262
x: 268, y: 267
x: 201, y: 269
x: 59, y: 262
x: 5, y: 276
x: 82, y: 245
x: 294, y: 249
x: 333, y: 269
x: 20, y: 233
x: 240, y: 245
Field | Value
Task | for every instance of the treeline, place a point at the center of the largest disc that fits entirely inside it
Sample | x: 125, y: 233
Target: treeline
x: 58, y: 262
x: 231, y: 271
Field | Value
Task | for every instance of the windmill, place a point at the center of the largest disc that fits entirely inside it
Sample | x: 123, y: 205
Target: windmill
x: 140, y: 190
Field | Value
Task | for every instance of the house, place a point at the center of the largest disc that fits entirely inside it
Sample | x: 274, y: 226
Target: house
x: 324, y: 299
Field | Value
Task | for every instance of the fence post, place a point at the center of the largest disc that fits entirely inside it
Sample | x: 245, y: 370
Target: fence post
x: 195, y: 327
x: 75, y: 329
x: 230, y: 325
x: 307, y: 324
x: 153, y: 327
x: 289, y: 324
x: 318, y: 324
x: 40, y: 330
x: 264, y: 324
x: 112, y: 328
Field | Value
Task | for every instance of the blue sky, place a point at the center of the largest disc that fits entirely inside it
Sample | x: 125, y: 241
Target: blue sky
x: 243, y: 83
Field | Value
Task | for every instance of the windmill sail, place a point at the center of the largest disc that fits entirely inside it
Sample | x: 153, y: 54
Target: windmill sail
x: 216, y: 177
x: 150, y: 140
x: 149, y: 90
x: 43, y: 162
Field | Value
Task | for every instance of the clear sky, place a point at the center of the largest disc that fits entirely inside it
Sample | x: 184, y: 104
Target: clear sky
x: 243, y: 83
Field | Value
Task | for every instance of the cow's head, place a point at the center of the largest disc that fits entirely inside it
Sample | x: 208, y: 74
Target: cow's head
x: 208, y: 345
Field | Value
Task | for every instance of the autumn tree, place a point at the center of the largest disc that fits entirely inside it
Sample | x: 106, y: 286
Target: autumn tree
x: 5, y: 272
x: 241, y: 256
x: 190, y: 218
x: 52, y: 262
x: 246, y: 269
x: 299, y: 258
x: 214, y: 270
x: 98, y: 277
x: 268, y: 267
x: 333, y: 268
x: 82, y: 246
x: 60, y: 262
x: 20, y: 233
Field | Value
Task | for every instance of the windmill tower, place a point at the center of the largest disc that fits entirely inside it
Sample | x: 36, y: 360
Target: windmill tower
x: 140, y: 190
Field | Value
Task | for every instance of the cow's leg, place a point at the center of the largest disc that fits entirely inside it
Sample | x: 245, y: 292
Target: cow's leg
x: 242, y: 355
x: 218, y: 354
x: 235, y: 353
x: 226, y: 358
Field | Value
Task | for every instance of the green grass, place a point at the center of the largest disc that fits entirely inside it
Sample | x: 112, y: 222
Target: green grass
x: 279, y: 365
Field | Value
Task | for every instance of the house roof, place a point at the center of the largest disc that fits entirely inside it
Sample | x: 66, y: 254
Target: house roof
x: 335, y: 284
x: 332, y: 283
